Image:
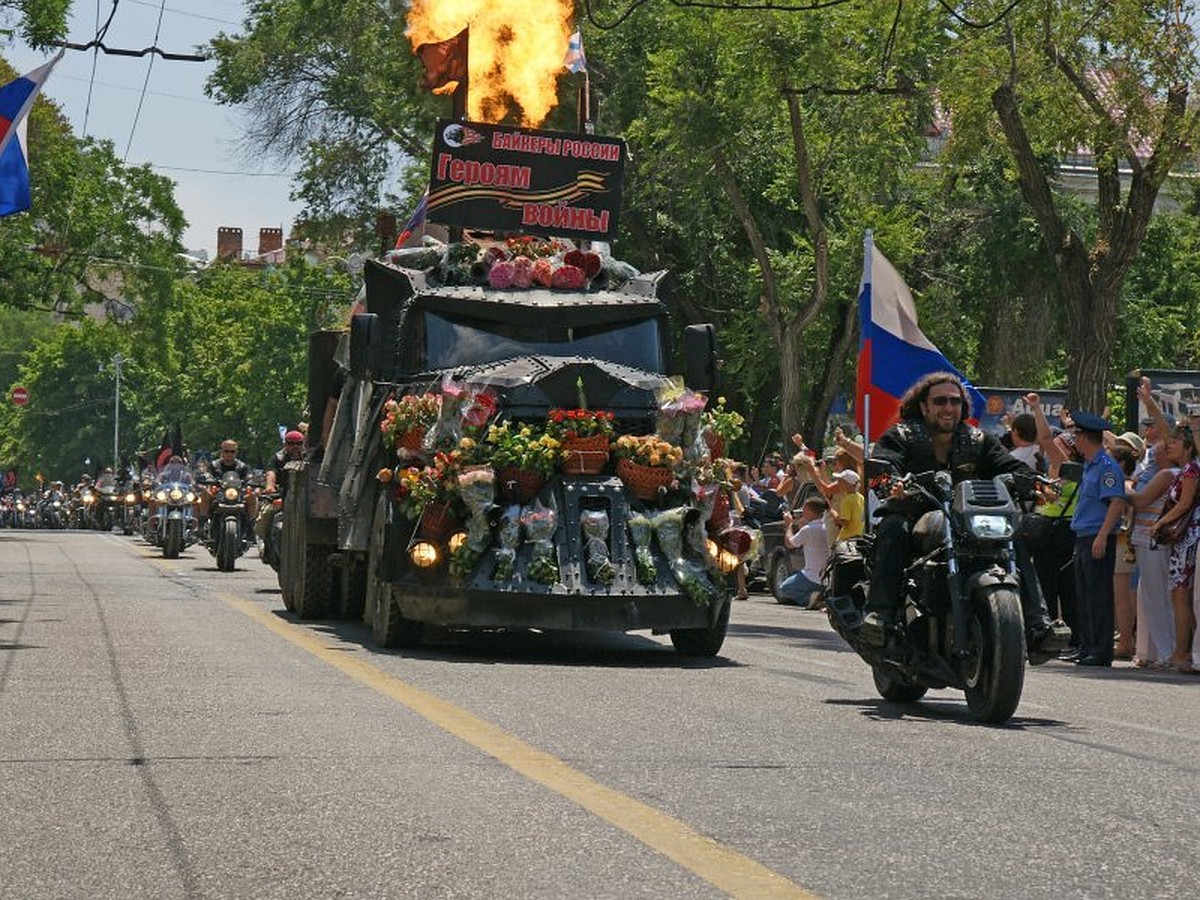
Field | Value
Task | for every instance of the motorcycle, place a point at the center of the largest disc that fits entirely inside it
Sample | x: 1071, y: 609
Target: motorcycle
x: 174, y: 517
x: 131, y: 509
x: 229, y: 521
x: 52, y: 511
x: 268, y: 551
x: 961, y: 624
x: 83, y: 509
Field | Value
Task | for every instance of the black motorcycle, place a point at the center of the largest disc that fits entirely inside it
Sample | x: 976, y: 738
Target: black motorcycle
x: 52, y: 511
x: 961, y: 624
x: 229, y: 521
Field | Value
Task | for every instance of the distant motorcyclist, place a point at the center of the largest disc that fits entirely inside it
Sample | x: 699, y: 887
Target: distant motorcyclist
x: 932, y: 435
x: 275, y: 481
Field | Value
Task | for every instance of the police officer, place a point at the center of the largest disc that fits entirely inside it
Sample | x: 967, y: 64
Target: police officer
x: 931, y: 436
x: 1097, y: 515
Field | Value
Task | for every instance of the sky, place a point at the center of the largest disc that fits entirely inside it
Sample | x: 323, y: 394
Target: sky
x: 180, y: 132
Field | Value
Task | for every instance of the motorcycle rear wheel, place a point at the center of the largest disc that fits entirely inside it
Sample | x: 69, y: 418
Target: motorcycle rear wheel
x: 998, y: 634
x: 894, y: 687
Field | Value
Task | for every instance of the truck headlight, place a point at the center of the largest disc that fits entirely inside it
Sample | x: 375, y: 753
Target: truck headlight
x: 457, y: 540
x: 990, y: 527
x: 424, y: 555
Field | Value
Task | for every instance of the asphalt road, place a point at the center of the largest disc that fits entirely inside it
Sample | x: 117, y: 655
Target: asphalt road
x: 167, y: 730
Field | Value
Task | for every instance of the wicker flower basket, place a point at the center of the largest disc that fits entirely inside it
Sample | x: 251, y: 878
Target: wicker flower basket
x: 585, y: 455
x: 412, y: 440
x: 644, y: 482
x: 519, y: 485
x: 437, y: 522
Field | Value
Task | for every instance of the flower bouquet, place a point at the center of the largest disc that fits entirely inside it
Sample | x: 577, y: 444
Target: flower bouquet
x: 594, y: 525
x: 477, y: 487
x: 524, y: 457
x: 407, y: 418
x: 670, y: 530
x: 585, y: 435
x: 722, y: 427
x: 465, y: 410
x: 645, y: 463
x: 641, y: 529
x: 679, y: 412
x: 510, y: 540
x: 540, y: 523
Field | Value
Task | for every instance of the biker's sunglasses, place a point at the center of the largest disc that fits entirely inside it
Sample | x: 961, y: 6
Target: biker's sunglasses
x: 946, y: 401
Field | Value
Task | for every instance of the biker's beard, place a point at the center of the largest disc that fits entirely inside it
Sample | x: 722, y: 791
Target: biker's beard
x: 936, y: 427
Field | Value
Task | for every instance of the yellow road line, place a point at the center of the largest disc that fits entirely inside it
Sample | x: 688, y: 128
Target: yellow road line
x: 721, y: 866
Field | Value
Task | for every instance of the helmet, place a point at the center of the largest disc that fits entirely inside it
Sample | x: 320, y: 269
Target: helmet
x: 293, y: 437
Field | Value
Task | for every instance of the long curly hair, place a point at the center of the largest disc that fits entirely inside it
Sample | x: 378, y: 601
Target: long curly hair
x: 910, y: 403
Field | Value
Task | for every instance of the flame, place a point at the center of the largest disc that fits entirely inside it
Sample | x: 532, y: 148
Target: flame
x: 516, y: 51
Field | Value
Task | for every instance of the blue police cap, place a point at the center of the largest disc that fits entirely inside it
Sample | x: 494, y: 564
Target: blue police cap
x: 1086, y: 421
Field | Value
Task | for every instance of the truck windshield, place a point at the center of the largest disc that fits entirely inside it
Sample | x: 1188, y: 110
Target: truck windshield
x: 451, y: 342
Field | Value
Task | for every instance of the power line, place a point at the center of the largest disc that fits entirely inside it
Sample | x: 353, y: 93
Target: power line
x: 146, y: 83
x: 100, y: 32
x: 190, y: 15
x: 221, y: 171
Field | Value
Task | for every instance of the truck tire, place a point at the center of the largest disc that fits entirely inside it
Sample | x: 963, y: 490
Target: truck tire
x: 389, y: 627
x: 702, y: 641
x: 315, y: 591
x: 353, y: 594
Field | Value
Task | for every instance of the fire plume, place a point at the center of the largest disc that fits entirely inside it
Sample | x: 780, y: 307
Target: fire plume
x: 516, y: 51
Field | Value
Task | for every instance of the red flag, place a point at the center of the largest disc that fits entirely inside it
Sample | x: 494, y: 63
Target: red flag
x: 444, y: 62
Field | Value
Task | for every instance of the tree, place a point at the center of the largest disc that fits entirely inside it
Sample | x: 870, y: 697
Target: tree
x: 99, y: 231
x: 775, y: 126
x: 38, y: 22
x: 1106, y: 77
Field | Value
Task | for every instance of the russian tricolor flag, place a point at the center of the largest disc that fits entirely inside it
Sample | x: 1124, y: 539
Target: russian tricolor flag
x: 893, y: 352
x: 16, y: 99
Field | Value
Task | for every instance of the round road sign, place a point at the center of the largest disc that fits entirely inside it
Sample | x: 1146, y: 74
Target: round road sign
x: 20, y: 396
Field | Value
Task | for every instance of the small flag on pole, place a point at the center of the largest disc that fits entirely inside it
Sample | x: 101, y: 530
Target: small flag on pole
x: 415, y: 221
x: 893, y: 352
x: 575, y: 60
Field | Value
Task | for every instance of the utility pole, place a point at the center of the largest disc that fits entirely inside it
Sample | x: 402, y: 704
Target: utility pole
x: 117, y: 360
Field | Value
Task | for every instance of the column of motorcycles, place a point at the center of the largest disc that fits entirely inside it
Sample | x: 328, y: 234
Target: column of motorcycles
x: 164, y: 510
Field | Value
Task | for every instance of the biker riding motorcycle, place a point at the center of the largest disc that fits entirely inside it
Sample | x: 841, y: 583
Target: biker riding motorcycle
x: 275, y: 483
x: 227, y: 462
x: 932, y: 436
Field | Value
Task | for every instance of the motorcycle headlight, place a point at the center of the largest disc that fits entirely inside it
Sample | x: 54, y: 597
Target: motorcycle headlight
x: 131, y: 498
x: 231, y: 494
x: 88, y: 499
x: 57, y: 504
x: 161, y: 496
x: 989, y: 527
x: 190, y: 498
x: 176, y: 494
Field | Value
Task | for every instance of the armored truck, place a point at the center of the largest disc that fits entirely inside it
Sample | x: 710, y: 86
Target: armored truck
x: 348, y: 548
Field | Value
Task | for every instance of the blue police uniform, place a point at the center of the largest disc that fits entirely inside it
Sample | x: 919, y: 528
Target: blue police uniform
x: 1101, y: 484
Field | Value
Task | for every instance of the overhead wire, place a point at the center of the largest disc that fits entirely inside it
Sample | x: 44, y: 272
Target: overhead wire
x: 100, y: 33
x: 146, y: 83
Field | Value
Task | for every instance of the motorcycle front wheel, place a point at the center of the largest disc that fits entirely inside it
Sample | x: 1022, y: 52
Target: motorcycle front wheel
x: 227, y: 544
x: 997, y: 673
x: 894, y: 687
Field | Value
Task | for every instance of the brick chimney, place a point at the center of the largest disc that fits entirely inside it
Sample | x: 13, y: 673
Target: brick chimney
x: 269, y: 240
x: 229, y: 243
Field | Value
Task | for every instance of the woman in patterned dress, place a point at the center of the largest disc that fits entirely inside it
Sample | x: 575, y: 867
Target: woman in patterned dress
x: 1181, y: 451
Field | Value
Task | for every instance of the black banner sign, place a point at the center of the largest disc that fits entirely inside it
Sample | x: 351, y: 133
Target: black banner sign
x: 500, y: 178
